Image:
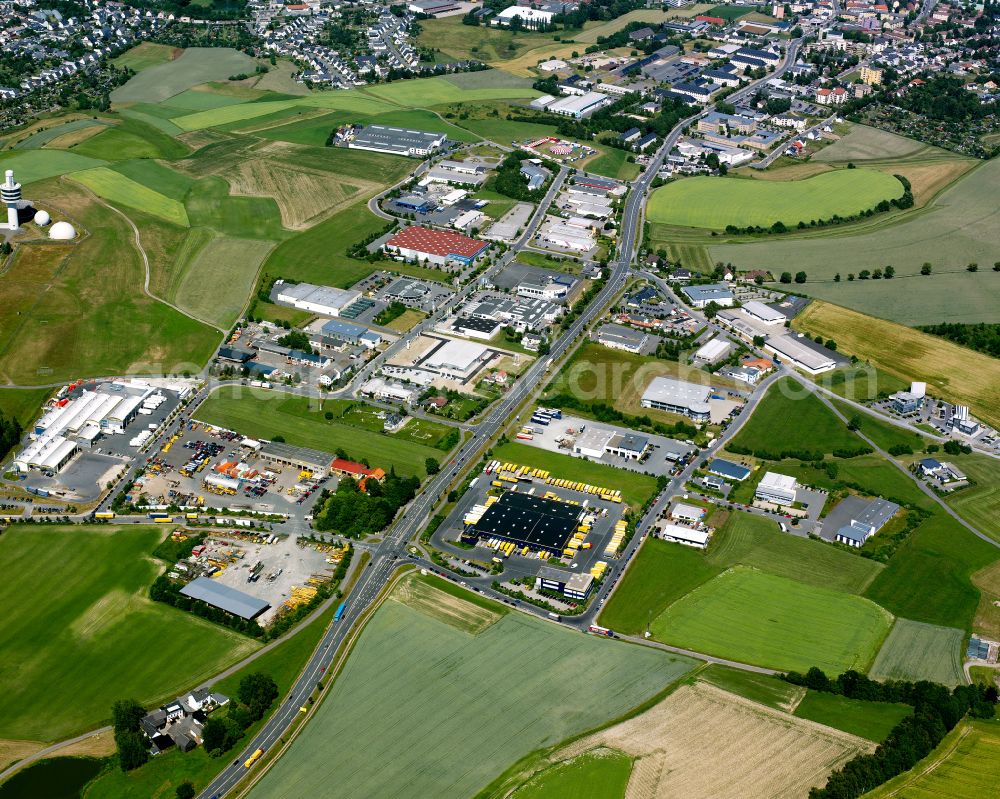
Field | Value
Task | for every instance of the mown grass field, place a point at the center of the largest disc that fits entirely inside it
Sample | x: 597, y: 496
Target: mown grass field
x: 816, y: 429
x: 603, y: 774
x: 401, y: 712
x: 958, y: 227
x: 871, y: 720
x: 33, y: 165
x: 916, y: 651
x: 714, y: 203
x: 195, y: 65
x: 754, y: 617
x: 23, y: 403
x: 78, y: 614
x: 659, y: 575
x: 145, y: 55
x: 952, y: 372
x: 987, y: 620
x: 861, y: 383
x: 978, y: 504
x: 117, y: 188
x: 885, y: 434
x: 966, y: 765
x: 636, y: 488
x: 754, y: 541
x: 131, y: 138
x: 235, y: 408
x: 63, y: 318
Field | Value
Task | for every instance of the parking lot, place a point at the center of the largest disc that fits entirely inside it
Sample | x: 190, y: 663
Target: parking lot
x: 178, y: 475
x: 665, y: 454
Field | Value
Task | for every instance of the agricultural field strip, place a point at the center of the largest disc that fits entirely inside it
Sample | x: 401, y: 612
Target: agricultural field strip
x: 917, y: 651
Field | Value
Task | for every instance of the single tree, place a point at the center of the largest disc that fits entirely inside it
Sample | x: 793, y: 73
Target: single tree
x: 926, y: 268
x: 800, y: 277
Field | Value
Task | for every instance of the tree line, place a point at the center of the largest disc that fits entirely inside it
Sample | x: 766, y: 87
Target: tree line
x: 355, y: 513
x: 936, y: 711
x: 980, y: 337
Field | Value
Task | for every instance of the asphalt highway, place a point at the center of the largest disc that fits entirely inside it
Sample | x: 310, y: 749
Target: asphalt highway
x: 393, y: 546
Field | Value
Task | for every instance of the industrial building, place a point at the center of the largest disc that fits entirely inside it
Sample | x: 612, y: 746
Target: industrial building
x: 618, y: 337
x: 396, y: 141
x: 777, y: 488
x: 337, y: 330
x: 313, y: 460
x: 456, y: 359
x: 551, y: 286
x: 863, y: 525
x: 323, y: 300
x: 596, y: 441
x: 527, y: 521
x: 700, y: 296
x: 435, y: 246
x: 678, y: 396
x: 801, y: 353
x: 729, y: 470
x: 224, y: 597
x: 390, y: 390
x: 909, y: 401
x: 579, y: 106
x: 574, y: 586
x: 682, y: 535
x: 764, y: 313
x: 713, y: 350
x: 76, y: 424
x: 692, y: 514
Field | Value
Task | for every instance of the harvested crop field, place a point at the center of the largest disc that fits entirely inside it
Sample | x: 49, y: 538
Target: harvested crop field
x: 863, y: 143
x: 952, y: 372
x: 422, y: 596
x: 304, y: 195
x: 918, y: 651
x: 704, y: 742
x: 423, y: 709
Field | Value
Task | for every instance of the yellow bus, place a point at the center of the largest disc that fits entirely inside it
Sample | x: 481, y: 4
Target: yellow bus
x: 253, y: 758
x: 104, y: 514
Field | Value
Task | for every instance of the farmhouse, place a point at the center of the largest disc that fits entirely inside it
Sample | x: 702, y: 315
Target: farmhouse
x: 700, y: 296
x: 678, y: 396
x: 323, y: 300
x: 526, y: 521
x: 871, y: 518
x: 224, y: 597
x: 777, y: 488
x: 395, y: 141
x: 179, y: 723
x: 434, y: 246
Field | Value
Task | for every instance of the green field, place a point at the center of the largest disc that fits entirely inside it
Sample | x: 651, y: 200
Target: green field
x: 861, y: 383
x: 754, y: 617
x: 131, y: 138
x: 713, y: 202
x: 959, y: 226
x: 33, y: 165
x: 916, y: 651
x: 216, y: 283
x: 816, y: 429
x: 939, y: 556
x: 762, y: 688
x: 885, y: 434
x: 80, y: 631
x: 636, y: 488
x: 235, y: 408
x: 660, y: 574
x: 161, y: 775
x: 871, y: 720
x: 966, y: 765
x: 42, y: 137
x: 595, y: 775
x: 979, y: 504
x: 145, y: 55
x: 23, y: 403
x: 863, y: 143
x: 423, y: 709
x: 63, y: 318
x: 117, y: 188
x: 195, y: 65
x: 754, y: 541
x: 614, y: 163
x: 155, y: 175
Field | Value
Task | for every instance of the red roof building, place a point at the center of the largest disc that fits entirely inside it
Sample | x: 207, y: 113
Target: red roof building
x: 346, y: 468
x: 436, y: 246
x: 710, y: 20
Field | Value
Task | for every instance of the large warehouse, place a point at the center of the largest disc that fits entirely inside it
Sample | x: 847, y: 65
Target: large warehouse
x: 527, y: 521
x: 231, y: 600
x: 435, y: 246
x: 396, y: 141
x: 457, y: 359
x: 323, y: 300
x: 678, y: 396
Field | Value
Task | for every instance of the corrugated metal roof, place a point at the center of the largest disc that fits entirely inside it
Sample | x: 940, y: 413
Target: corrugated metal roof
x: 222, y: 596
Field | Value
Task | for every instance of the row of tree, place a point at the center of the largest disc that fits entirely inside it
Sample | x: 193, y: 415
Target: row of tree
x: 980, y: 337
x: 936, y: 711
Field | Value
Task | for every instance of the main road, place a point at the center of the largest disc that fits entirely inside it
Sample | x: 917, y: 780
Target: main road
x: 413, y: 517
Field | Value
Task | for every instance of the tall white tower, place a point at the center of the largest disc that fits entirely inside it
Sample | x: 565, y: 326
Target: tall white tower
x: 10, y: 193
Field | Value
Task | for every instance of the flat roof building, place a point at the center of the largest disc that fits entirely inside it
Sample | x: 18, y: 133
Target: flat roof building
x: 764, y: 313
x: 349, y: 333
x: 700, y: 296
x: 316, y: 461
x: 687, y: 513
x: 396, y: 141
x: 323, y: 300
x: 457, y: 359
x: 713, y: 350
x: 872, y: 518
x: 526, y: 520
x: 729, y: 470
x: 618, y: 337
x: 777, y: 488
x: 224, y: 597
x: 800, y: 354
x: 579, y: 106
x: 683, y: 535
x: 678, y: 396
